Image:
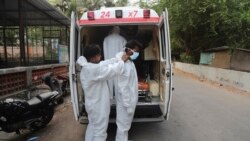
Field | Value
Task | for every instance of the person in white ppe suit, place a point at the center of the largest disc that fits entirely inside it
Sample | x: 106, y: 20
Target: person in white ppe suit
x: 113, y: 44
x: 127, y: 96
x: 94, y: 74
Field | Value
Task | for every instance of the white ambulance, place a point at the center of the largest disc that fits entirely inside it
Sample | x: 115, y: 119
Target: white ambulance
x: 153, y: 65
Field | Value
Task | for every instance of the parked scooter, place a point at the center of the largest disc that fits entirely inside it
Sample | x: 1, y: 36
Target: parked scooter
x: 55, y: 84
x: 65, y: 83
x: 33, y: 114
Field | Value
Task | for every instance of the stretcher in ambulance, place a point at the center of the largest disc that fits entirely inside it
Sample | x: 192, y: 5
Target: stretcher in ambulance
x: 153, y: 66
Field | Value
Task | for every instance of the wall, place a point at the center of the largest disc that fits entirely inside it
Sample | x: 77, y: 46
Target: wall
x: 241, y: 60
x: 221, y: 59
x: 17, y: 80
x: 233, y: 78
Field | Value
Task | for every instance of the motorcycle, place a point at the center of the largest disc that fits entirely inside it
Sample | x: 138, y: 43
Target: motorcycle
x: 55, y: 84
x: 65, y: 83
x: 32, y: 114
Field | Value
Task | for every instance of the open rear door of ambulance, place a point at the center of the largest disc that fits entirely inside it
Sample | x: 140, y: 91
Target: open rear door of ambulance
x: 72, y: 65
x: 166, y: 67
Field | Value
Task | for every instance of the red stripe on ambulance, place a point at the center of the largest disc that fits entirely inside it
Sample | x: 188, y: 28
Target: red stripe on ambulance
x: 120, y: 20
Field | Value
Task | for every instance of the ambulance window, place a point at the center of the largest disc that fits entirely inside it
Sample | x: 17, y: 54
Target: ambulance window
x: 163, y: 42
x: 76, y: 44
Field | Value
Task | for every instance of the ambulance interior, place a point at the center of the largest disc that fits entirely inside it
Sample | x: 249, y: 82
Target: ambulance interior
x: 148, y: 62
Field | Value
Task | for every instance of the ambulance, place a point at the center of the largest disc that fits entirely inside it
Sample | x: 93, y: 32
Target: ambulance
x: 153, y: 65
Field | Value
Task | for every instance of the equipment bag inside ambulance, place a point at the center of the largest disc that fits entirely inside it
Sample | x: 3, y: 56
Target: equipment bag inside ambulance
x: 153, y: 65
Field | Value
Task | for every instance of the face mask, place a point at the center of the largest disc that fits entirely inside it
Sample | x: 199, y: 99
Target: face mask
x: 134, y: 55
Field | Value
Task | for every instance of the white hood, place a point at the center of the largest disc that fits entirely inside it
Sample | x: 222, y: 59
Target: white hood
x: 82, y: 61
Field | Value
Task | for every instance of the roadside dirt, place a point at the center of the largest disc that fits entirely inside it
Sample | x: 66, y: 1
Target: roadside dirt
x: 213, y: 83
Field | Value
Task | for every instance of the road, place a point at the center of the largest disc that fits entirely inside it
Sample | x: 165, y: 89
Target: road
x: 199, y: 112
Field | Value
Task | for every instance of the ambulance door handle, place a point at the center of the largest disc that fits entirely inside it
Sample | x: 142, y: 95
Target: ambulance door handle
x: 168, y: 74
x: 74, y: 77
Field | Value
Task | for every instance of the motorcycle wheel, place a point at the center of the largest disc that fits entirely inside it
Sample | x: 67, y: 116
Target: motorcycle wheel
x: 60, y: 100
x: 46, y: 116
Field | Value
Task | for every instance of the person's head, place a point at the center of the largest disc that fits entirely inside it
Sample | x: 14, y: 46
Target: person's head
x: 116, y: 30
x: 92, y: 53
x: 132, y: 48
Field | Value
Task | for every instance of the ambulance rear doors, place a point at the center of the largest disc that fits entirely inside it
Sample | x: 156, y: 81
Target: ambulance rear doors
x: 165, y: 62
x: 73, y: 78
x: 165, y: 65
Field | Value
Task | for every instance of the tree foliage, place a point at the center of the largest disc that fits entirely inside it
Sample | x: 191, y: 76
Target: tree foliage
x: 199, y: 25
x: 80, y: 6
x: 120, y: 3
x: 109, y: 3
x: 93, y: 4
x: 66, y: 6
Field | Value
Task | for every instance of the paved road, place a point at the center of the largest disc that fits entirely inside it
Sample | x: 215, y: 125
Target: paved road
x: 199, y: 112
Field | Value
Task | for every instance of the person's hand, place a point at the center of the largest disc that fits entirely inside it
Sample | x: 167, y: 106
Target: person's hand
x: 130, y: 110
x: 128, y: 51
x: 125, y: 57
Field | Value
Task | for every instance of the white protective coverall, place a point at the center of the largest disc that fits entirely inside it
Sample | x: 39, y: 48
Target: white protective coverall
x: 113, y: 44
x: 97, y: 101
x: 126, y: 99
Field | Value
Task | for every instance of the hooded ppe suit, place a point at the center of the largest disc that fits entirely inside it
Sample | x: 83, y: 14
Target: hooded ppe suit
x: 97, y: 101
x: 126, y: 99
x: 113, y: 44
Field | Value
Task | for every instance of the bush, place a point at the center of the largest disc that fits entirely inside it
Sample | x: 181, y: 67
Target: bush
x: 184, y: 57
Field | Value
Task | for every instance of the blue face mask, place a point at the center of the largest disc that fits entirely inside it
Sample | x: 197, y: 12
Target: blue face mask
x: 134, y: 55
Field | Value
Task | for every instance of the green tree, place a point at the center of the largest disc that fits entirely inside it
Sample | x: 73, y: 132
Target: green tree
x: 200, y: 25
x: 92, y: 4
x: 66, y: 6
x: 109, y: 3
x: 80, y: 6
x: 120, y: 3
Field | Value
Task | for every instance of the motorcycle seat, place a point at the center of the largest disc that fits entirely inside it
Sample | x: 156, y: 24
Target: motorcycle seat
x: 44, y: 96
x: 34, y: 101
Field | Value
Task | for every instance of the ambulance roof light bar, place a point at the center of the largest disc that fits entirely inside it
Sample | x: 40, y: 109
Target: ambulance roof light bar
x: 91, y: 15
x: 146, y: 13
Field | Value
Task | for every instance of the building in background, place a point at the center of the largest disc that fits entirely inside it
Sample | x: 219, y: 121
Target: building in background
x: 224, y: 57
x: 34, y: 40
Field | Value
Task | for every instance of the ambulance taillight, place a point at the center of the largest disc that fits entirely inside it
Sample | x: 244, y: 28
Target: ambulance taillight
x: 146, y: 13
x: 91, y: 15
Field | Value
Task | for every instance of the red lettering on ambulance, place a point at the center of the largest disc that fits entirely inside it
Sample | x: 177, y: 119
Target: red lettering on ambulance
x: 130, y: 14
x: 102, y: 14
x: 135, y: 13
x: 105, y: 14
